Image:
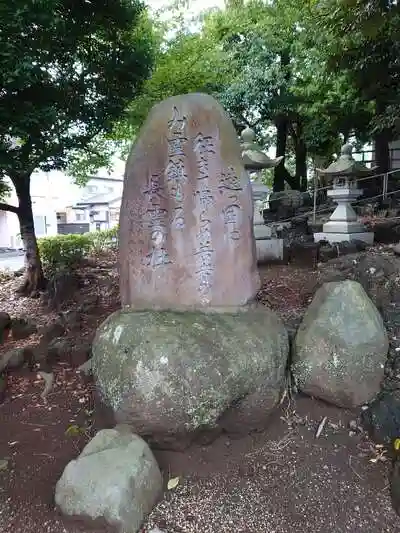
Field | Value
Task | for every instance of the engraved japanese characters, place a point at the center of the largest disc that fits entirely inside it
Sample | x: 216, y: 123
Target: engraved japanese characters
x: 186, y: 231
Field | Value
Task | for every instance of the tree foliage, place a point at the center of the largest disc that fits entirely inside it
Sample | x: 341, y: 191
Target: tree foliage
x: 314, y: 73
x: 68, y: 69
x: 365, y: 40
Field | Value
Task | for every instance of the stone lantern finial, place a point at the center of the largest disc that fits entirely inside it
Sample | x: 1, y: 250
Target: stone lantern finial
x: 347, y: 150
x: 253, y: 157
x: 248, y: 136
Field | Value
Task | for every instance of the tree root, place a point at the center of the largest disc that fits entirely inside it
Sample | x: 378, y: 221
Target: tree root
x: 31, y: 287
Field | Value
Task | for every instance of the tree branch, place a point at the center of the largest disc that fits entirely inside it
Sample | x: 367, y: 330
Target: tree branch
x: 8, y: 207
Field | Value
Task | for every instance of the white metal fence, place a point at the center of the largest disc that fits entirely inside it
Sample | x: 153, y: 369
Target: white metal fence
x: 384, y: 195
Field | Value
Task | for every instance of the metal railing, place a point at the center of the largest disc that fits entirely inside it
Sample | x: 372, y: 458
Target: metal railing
x: 316, y: 190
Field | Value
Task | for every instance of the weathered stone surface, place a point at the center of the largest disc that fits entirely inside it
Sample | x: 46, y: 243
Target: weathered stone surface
x: 17, y: 357
x: 3, y: 387
x: 341, y: 346
x: 186, y: 226
x: 115, y: 478
x: 396, y: 249
x: 52, y: 330
x: 21, y: 328
x: 170, y: 374
x: 382, y: 418
x: 5, y: 325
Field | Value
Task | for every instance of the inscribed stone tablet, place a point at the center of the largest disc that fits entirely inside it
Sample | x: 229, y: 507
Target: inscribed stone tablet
x: 186, y: 225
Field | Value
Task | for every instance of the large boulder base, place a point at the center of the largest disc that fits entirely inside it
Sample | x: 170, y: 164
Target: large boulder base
x: 172, y: 374
x: 116, y: 478
x: 341, y: 346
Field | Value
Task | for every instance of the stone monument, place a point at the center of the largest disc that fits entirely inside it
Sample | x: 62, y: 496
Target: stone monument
x: 189, y: 351
x: 343, y: 224
x: 187, y: 207
x: 255, y: 160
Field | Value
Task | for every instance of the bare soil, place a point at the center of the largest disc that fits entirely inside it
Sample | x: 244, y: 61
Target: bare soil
x: 280, y: 480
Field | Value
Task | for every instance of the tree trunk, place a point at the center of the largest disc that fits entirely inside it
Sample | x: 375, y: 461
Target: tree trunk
x: 34, y: 278
x: 281, y: 173
x: 281, y: 139
x: 301, y: 165
x: 382, y: 152
x: 300, y: 150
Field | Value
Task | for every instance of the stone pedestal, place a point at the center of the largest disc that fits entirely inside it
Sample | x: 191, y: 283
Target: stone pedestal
x: 262, y: 232
x: 343, y: 225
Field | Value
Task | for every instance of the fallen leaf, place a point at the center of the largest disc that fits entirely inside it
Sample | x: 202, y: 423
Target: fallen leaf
x: 73, y: 431
x: 173, y: 483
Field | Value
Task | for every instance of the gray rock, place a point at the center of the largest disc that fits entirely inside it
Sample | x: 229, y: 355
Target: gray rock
x: 169, y: 374
x: 5, y: 324
x: 396, y: 249
x: 341, y: 346
x: 17, y: 357
x: 58, y: 349
x: 21, y: 328
x: 14, y: 358
x: 382, y: 418
x: 52, y: 330
x: 115, y: 478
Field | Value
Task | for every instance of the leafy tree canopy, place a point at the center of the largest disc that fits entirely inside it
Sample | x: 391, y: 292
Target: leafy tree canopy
x: 68, y: 69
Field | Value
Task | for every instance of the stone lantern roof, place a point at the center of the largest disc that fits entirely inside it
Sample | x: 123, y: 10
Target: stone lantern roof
x: 346, y: 166
x: 253, y: 156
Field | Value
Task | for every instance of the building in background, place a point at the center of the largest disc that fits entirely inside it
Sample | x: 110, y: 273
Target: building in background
x: 97, y: 208
x: 47, y: 193
x: 52, y: 191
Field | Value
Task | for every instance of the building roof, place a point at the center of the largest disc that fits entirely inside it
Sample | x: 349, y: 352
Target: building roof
x: 96, y: 199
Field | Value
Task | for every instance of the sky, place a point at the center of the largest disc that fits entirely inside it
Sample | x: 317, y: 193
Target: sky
x: 195, y: 5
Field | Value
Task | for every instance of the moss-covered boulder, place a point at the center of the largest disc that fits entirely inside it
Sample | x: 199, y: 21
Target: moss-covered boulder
x: 170, y: 374
x: 341, y: 346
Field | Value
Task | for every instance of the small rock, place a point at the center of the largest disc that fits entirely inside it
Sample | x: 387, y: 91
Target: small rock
x: 116, y: 477
x: 382, y: 418
x: 80, y: 354
x: 5, y: 324
x: 396, y: 249
x: 14, y: 358
x: 333, y: 361
x: 3, y: 464
x: 72, y: 319
x: 58, y: 350
x: 52, y: 330
x: 22, y: 329
x: 353, y: 425
x: 3, y: 387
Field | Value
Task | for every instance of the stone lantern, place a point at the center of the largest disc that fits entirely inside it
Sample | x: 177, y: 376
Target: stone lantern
x: 255, y: 160
x: 343, y: 224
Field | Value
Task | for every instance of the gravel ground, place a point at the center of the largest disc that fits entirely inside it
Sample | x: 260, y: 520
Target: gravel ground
x: 280, y: 480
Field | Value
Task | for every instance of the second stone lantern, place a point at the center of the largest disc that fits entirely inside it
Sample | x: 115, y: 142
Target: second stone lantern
x: 255, y: 161
x: 343, y: 224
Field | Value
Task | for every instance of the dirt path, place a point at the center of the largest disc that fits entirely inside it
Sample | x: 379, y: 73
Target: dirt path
x: 278, y: 481
x: 281, y: 480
